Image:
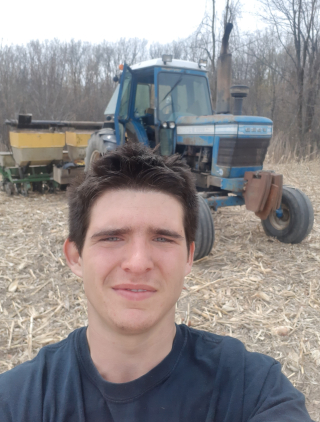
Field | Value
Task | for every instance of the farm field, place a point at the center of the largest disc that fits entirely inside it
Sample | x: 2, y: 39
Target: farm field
x: 265, y: 293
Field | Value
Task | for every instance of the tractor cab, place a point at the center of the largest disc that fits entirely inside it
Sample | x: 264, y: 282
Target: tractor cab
x: 167, y: 103
x: 153, y: 95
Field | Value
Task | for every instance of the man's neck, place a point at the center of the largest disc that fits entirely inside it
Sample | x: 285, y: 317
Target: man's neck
x: 121, y: 358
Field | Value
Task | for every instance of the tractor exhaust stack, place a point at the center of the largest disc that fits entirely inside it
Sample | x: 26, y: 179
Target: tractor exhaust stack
x: 224, y: 74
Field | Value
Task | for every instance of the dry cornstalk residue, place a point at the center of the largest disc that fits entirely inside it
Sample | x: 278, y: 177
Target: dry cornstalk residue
x: 265, y: 293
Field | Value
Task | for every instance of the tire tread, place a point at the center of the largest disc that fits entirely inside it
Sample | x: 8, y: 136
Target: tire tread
x: 205, y: 230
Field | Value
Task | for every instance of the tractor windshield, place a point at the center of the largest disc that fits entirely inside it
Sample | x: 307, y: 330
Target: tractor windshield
x: 182, y: 94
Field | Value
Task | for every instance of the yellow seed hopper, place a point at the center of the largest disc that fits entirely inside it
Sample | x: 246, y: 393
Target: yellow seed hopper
x: 38, y: 154
x: 36, y: 147
x: 77, y: 143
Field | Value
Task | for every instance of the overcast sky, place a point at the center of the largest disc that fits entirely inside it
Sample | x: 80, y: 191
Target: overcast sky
x: 95, y: 21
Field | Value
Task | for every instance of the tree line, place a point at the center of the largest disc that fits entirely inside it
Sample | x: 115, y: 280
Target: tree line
x: 280, y: 63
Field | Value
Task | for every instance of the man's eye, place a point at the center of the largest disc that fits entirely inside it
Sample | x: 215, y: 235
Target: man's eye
x: 110, y: 239
x: 162, y: 239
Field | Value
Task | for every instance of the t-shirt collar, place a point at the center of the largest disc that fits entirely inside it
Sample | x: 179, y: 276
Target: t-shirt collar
x: 133, y: 389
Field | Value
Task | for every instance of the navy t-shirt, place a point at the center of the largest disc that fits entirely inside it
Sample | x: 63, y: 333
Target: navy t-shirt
x: 205, y: 378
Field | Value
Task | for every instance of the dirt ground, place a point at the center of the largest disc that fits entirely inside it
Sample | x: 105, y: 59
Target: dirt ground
x: 265, y: 293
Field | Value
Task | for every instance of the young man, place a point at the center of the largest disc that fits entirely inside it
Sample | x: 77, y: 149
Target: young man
x: 132, y: 228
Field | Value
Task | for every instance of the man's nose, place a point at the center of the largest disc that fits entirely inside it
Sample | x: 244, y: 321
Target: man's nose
x: 138, y: 257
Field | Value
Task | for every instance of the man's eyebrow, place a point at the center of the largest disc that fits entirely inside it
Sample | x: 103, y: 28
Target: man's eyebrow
x: 165, y: 232
x: 127, y: 230
x: 111, y: 232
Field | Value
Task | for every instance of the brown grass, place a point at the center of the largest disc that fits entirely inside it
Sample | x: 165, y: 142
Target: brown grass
x: 252, y: 287
x: 283, y: 149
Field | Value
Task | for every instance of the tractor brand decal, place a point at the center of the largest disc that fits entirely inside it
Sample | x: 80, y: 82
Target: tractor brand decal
x: 265, y: 130
x: 196, y: 130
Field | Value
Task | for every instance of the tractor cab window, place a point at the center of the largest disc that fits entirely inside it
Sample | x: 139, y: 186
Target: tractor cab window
x: 124, y: 105
x: 182, y: 94
x: 144, y: 101
x: 111, y: 107
x: 144, y: 109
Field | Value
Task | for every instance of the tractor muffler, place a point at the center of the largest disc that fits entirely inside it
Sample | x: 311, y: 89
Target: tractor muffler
x: 224, y: 74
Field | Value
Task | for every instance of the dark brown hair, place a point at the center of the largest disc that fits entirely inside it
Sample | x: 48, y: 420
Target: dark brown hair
x: 132, y: 166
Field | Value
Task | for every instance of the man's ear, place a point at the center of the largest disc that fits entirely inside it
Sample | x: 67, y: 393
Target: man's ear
x: 73, y: 257
x: 190, y: 258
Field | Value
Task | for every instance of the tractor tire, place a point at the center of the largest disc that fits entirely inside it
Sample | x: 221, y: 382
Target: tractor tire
x: 97, y: 146
x: 297, y: 220
x: 205, y: 231
x: 9, y: 188
x: 25, y: 189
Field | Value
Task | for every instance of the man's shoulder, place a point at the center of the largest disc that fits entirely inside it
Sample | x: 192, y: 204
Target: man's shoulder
x: 229, y: 350
x: 212, y: 341
x: 211, y: 338
x: 48, y: 358
x: 26, y: 390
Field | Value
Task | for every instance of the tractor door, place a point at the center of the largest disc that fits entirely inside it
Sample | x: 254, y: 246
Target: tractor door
x: 121, y: 116
x: 126, y: 124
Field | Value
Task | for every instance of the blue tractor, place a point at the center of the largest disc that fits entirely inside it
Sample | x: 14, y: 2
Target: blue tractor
x: 166, y: 104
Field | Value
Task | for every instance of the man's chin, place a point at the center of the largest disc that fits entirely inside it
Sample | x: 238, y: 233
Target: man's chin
x: 135, y: 323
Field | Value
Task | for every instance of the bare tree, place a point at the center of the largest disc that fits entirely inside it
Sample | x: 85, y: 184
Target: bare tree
x: 74, y: 80
x: 296, y: 24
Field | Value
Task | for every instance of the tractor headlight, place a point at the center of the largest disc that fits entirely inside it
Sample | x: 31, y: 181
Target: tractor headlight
x: 165, y: 125
x: 172, y: 125
x: 106, y: 137
x: 202, y: 62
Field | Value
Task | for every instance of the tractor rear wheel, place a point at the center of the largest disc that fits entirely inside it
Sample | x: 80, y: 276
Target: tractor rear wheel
x: 97, y: 147
x: 297, y: 218
x: 94, y: 151
x: 205, y: 231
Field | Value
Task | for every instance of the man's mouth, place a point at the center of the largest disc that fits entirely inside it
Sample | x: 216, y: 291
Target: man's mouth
x: 135, y: 290
x: 137, y: 293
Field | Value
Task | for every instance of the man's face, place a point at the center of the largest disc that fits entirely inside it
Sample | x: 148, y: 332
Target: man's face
x: 134, y: 259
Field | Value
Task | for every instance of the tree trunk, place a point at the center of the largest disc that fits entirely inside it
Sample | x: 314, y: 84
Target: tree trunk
x: 300, y: 108
x: 213, y: 76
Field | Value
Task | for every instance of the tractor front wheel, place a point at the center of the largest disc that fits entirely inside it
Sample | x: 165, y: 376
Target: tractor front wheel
x: 205, y: 231
x: 296, y: 220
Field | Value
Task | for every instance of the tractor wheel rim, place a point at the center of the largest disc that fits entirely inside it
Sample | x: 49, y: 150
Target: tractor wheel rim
x: 280, y: 223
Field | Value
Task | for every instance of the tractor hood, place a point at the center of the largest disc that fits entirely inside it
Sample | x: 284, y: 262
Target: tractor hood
x: 200, y: 130
x: 222, y: 119
x: 239, y: 143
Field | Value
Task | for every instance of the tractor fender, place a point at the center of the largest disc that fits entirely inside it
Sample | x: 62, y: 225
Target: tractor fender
x: 101, y: 142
